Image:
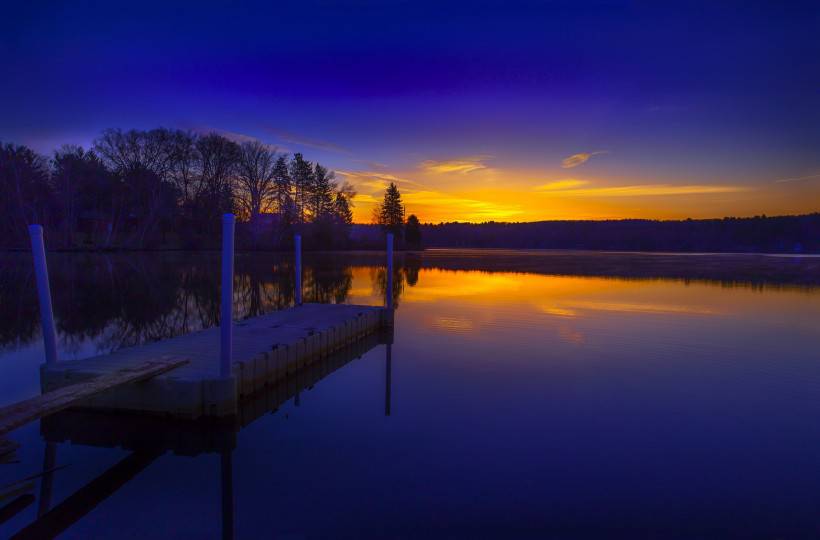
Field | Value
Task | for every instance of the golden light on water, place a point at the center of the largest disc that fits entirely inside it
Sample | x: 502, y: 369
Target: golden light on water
x: 482, y: 303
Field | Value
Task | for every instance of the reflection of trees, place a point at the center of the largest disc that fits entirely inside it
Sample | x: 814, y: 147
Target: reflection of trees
x: 119, y: 300
x: 326, y: 280
x: 405, y: 270
x: 412, y: 265
x: 18, y: 300
x: 378, y: 277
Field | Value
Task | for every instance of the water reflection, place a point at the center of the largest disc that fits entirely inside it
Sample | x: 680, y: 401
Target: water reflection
x: 121, y: 300
x: 149, y: 437
x: 572, y: 398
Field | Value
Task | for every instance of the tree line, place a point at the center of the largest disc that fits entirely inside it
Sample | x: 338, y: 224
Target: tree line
x: 779, y: 234
x: 164, y: 187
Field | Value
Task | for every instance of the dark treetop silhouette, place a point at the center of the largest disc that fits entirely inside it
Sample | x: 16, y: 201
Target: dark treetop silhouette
x: 168, y: 188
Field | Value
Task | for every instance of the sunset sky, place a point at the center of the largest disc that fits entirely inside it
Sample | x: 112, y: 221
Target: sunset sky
x: 513, y: 111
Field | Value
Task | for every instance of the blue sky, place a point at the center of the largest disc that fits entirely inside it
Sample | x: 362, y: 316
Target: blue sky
x: 681, y: 110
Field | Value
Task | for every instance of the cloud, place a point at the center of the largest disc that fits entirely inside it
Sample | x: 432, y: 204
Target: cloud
x: 238, y: 138
x: 371, y: 164
x: 462, y: 165
x: 561, y: 185
x: 306, y: 142
x: 798, y: 179
x: 647, y: 190
x: 579, y: 159
x: 377, y: 180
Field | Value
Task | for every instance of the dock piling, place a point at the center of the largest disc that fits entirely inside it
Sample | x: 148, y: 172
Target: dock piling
x: 297, y: 247
x: 38, y: 251
x: 226, y: 470
x: 226, y: 317
x: 389, y: 292
x: 388, y: 377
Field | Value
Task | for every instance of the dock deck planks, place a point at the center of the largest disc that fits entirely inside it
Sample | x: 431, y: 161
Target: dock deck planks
x: 265, y: 350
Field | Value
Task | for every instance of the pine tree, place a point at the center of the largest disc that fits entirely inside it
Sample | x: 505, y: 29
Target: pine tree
x: 342, y: 209
x: 301, y: 175
x: 282, y: 184
x: 320, y: 202
x: 391, y: 212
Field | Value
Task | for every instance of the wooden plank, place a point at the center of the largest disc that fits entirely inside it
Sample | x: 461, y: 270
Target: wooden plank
x: 18, y: 414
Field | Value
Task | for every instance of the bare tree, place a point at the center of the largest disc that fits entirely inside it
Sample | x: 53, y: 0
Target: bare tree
x: 218, y: 162
x: 184, y: 165
x: 141, y: 160
x: 255, y: 177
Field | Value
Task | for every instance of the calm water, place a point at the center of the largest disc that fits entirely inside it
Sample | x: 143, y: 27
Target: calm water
x: 559, y: 395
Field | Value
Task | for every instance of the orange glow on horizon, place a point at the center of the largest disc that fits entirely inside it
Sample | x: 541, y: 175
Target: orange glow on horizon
x: 468, y: 190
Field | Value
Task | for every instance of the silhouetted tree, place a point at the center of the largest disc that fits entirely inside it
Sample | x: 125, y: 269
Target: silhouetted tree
x: 90, y: 200
x: 390, y: 214
x: 412, y: 232
x: 24, y: 185
x: 301, y: 176
x: 284, y: 186
x: 140, y: 159
x: 256, y: 183
x: 342, y: 208
x: 215, y: 197
x: 320, y: 196
x: 184, y: 168
x: 136, y: 186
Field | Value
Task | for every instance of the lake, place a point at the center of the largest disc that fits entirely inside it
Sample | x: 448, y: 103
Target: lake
x: 522, y: 395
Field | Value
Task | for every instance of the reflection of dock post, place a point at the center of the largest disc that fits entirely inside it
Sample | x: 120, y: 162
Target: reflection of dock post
x: 226, y: 316
x: 47, y: 482
x: 388, y: 379
x: 38, y: 251
x: 389, y: 293
x: 297, y: 247
x: 227, y: 495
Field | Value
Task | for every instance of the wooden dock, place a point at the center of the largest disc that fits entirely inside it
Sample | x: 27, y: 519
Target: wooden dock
x: 141, y: 432
x: 266, y: 350
x: 21, y: 413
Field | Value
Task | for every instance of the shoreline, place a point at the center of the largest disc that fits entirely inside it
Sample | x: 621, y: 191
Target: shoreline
x: 432, y: 250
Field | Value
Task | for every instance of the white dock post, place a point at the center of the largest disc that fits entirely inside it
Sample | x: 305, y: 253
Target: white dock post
x: 38, y: 251
x: 297, y: 246
x: 389, y: 292
x: 226, y: 316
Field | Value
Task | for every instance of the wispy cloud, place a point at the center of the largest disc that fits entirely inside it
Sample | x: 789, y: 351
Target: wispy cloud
x: 569, y: 183
x: 462, y: 165
x: 371, y: 164
x: 377, y: 180
x: 579, y: 159
x: 798, y: 179
x: 307, y: 142
x: 238, y: 137
x: 644, y: 190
